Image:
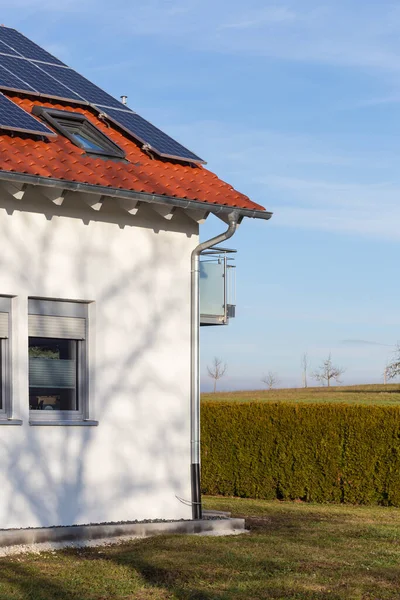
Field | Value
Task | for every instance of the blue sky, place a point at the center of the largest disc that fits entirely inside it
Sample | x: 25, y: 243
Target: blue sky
x: 297, y: 105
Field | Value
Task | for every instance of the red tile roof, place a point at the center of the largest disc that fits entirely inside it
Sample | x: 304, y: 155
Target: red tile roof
x: 59, y: 158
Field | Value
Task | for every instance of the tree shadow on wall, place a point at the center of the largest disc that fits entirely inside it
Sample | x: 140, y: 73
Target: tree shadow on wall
x: 49, y: 473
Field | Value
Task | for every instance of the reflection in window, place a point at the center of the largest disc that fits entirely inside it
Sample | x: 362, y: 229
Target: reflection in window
x: 2, y: 382
x: 5, y: 398
x: 82, y: 132
x: 53, y: 374
x: 86, y: 142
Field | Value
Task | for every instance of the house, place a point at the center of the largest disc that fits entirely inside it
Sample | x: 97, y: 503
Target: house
x: 99, y: 250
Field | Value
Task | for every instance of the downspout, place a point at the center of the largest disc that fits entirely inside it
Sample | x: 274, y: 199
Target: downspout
x: 233, y: 220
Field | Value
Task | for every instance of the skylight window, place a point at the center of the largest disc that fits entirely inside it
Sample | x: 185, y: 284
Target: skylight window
x: 80, y: 131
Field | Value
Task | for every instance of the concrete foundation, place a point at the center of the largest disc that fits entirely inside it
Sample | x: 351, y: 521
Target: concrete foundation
x: 15, y: 537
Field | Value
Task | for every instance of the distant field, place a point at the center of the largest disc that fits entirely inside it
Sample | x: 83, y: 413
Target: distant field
x: 354, y: 394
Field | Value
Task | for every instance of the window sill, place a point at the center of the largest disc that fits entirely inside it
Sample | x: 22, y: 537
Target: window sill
x: 66, y: 423
x: 10, y: 422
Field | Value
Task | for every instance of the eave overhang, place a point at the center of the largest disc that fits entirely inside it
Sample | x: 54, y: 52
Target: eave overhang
x: 97, y: 192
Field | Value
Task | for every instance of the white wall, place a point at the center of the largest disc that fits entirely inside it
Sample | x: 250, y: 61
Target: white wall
x: 135, y: 463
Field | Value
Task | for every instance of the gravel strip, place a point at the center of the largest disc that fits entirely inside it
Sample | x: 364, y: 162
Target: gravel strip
x: 101, y: 542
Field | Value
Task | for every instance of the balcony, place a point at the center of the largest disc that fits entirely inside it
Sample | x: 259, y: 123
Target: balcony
x: 217, y: 286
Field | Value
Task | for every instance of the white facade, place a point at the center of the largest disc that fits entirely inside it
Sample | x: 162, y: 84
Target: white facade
x: 135, y: 272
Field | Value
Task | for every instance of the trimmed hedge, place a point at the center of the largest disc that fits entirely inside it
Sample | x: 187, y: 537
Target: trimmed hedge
x: 313, y: 452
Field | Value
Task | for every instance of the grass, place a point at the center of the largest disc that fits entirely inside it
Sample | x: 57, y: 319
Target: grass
x: 294, y: 551
x: 356, y: 394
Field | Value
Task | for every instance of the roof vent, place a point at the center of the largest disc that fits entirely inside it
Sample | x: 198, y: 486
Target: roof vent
x: 124, y: 99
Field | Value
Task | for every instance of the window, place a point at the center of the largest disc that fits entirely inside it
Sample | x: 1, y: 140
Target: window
x: 58, y: 364
x: 77, y: 128
x: 5, y: 379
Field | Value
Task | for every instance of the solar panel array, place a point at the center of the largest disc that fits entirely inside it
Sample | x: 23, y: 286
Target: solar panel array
x: 81, y: 86
x: 14, y: 118
x: 32, y: 77
x: 25, y: 67
x: 18, y: 44
x: 147, y: 133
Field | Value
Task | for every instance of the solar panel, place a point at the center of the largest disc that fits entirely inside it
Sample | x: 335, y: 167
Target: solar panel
x: 12, y: 82
x: 36, y: 78
x: 147, y: 133
x: 14, y: 118
x: 4, y: 49
x: 24, y: 72
x: 81, y: 85
x: 23, y: 46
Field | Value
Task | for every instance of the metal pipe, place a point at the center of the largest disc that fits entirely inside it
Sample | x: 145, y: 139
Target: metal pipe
x: 233, y: 220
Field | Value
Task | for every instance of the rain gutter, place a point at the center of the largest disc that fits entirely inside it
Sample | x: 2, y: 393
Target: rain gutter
x: 87, y: 188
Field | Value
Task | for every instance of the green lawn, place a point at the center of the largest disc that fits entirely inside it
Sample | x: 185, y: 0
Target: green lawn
x: 294, y: 551
x: 354, y: 394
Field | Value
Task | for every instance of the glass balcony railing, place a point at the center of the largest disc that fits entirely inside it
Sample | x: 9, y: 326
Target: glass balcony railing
x: 217, y: 287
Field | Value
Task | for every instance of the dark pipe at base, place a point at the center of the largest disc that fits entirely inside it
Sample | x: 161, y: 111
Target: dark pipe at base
x: 197, y: 512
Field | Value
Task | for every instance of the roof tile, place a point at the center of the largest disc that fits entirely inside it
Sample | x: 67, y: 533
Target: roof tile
x: 59, y: 158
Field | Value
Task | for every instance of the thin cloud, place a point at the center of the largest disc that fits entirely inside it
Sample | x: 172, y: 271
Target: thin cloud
x: 337, y: 32
x: 273, y: 14
x: 359, y: 194
x: 351, y: 222
x: 48, y: 6
x: 351, y: 342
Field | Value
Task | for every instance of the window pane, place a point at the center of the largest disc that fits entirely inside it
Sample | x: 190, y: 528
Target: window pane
x: 1, y: 374
x: 87, y: 143
x: 53, y: 374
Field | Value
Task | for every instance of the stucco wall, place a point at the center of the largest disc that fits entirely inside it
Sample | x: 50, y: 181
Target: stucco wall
x: 137, y: 272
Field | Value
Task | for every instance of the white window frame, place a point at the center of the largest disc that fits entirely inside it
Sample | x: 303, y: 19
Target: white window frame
x: 5, y: 354
x: 65, y: 314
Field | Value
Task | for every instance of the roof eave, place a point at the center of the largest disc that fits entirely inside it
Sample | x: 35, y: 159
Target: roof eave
x: 73, y: 186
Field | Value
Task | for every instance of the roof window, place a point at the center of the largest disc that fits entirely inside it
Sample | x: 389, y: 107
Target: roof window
x: 80, y: 131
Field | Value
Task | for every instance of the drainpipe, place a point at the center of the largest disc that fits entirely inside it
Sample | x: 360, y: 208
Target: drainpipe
x: 233, y: 220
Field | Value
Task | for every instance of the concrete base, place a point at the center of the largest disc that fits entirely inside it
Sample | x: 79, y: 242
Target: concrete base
x: 14, y: 537
x: 222, y: 514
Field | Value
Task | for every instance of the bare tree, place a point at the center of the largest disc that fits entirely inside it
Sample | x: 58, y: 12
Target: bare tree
x: 328, y: 371
x: 385, y: 374
x: 270, y: 380
x: 304, y: 366
x: 217, y: 370
x: 393, y: 368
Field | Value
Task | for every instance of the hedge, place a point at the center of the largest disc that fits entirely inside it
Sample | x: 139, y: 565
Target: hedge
x: 313, y: 452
